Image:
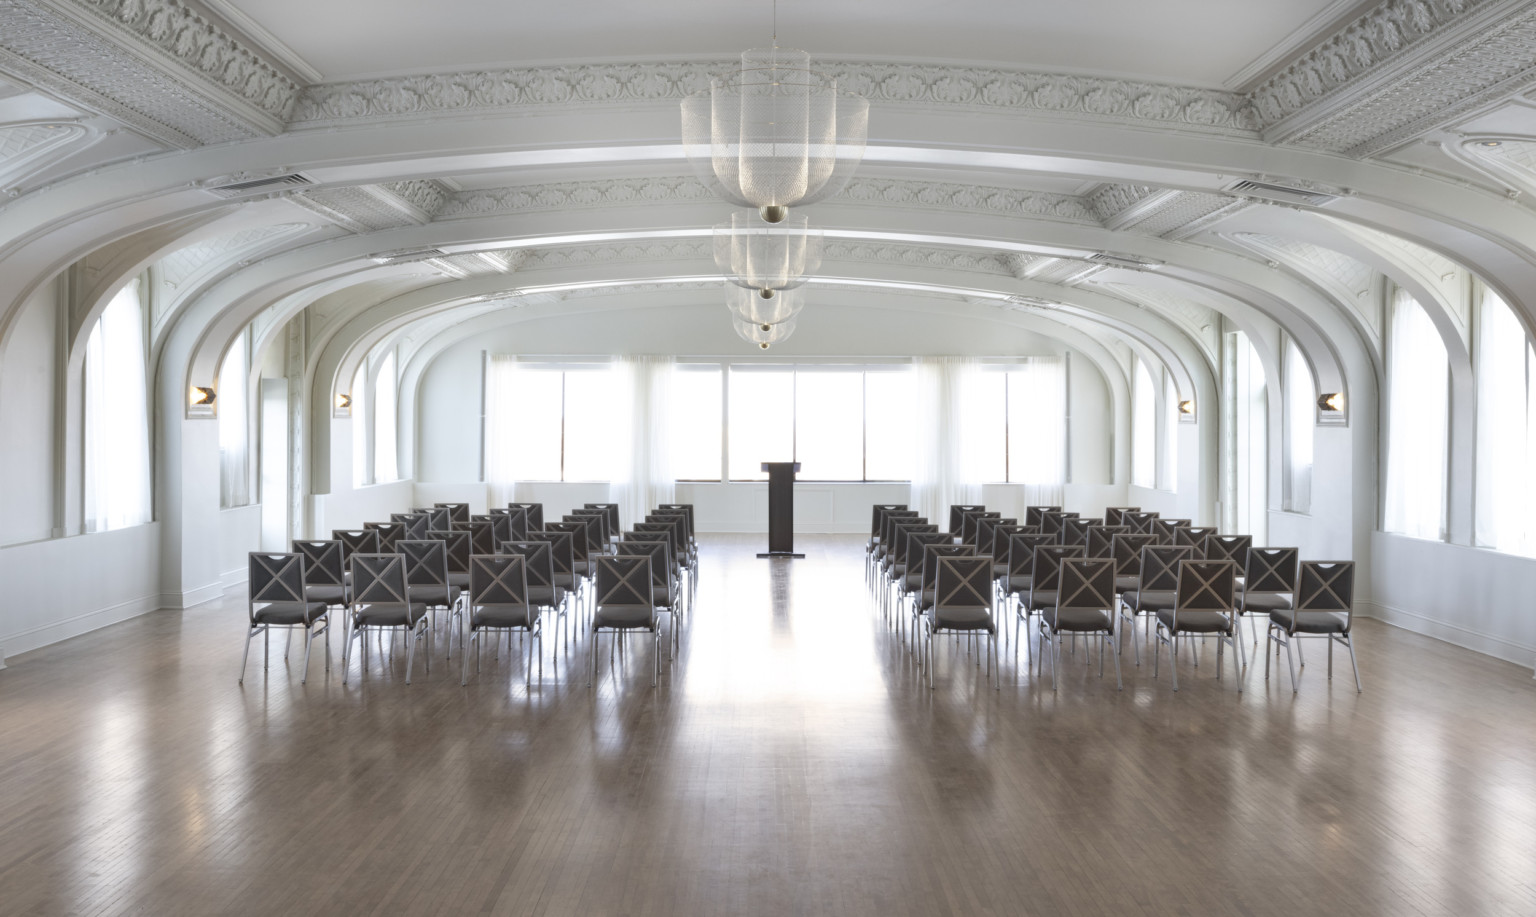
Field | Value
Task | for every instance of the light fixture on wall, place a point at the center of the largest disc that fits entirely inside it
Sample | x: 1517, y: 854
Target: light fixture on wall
x: 767, y: 257
x: 343, y: 402
x: 202, y: 396
x: 1187, y: 407
x: 774, y: 134
x: 764, y: 334
x: 1331, y: 402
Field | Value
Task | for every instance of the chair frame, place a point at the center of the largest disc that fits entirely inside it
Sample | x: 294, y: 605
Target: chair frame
x: 502, y: 576
x: 963, y: 582
x: 1084, y: 584
x: 1318, y: 591
x: 278, y: 577
x: 1200, y: 589
x: 615, y: 580
x: 392, y: 565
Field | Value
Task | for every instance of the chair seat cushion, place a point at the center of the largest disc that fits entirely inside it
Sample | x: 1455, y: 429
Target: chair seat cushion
x: 999, y: 570
x: 434, y: 594
x: 565, y: 581
x: 1265, y: 602
x: 1148, y: 601
x: 961, y: 619
x: 663, y: 596
x: 1127, y: 583
x: 1041, y: 599
x: 898, y: 571
x: 289, y: 612
x: 912, y: 582
x: 389, y: 615
x: 626, y: 617
x: 330, y: 595
x: 502, y: 616
x: 1018, y: 584
x: 458, y: 580
x: 580, y: 567
x: 546, y: 595
x: 1078, y: 619
x: 1311, y: 622
x: 1199, y: 622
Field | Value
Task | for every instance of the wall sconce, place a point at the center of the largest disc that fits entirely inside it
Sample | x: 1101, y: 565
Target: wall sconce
x: 202, y: 396
x: 1331, y: 402
x: 343, y: 402
x: 1187, y: 407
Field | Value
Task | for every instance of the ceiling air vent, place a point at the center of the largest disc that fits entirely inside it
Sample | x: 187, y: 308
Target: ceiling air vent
x: 1134, y: 262
x: 1284, y: 194
x: 407, y: 255
x: 1021, y: 303
x: 235, y: 189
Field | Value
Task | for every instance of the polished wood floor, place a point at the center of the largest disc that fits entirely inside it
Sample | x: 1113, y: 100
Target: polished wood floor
x: 791, y: 762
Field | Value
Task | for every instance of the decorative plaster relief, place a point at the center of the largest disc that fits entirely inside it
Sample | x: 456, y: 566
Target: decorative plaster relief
x: 1349, y: 280
x: 1108, y: 201
x: 23, y: 144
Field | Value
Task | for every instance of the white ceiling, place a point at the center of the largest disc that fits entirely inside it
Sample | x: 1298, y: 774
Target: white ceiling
x: 1192, y: 42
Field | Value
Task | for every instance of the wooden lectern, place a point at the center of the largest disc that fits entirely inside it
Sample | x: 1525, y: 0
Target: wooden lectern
x: 781, y: 509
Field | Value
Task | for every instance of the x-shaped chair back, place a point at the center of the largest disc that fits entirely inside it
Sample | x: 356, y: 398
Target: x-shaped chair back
x: 1001, y: 538
x: 592, y: 527
x: 500, y: 529
x: 1087, y: 583
x: 1205, y: 585
x: 1113, y: 514
x: 986, y: 531
x: 666, y: 527
x: 389, y: 533
x: 1035, y: 515
x: 1126, y: 549
x: 537, y: 559
x: 970, y: 525
x: 379, y: 579
x: 426, y: 562
x: 877, y: 516
x: 916, y: 542
x: 624, y: 580
x: 498, y: 580
x: 458, y: 546
x: 578, y: 533
x: 482, y: 540
x: 516, y: 524
x: 933, y: 553
x: 1169, y: 528
x: 1101, y: 539
x: 1047, y: 573
x: 354, y: 541
x: 562, y: 558
x: 957, y: 513
x: 535, y: 513
x: 1194, y: 537
x: 439, y: 518
x: 323, y: 565
x: 685, y: 508
x: 602, y: 521
x: 416, y: 524
x: 1271, y: 570
x: 661, y: 560
x: 457, y: 512
x: 888, y: 524
x: 1140, y: 523
x: 612, y: 509
x: 1229, y: 547
x: 678, y: 518
x: 1160, y: 566
x: 899, y: 533
x: 963, y: 583
x: 1075, y: 529
x: 1051, y: 523
x: 1021, y: 552
x: 275, y: 578
x: 1326, y: 586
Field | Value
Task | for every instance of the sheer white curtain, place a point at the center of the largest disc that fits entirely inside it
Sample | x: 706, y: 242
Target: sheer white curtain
x: 385, y: 441
x: 1300, y: 425
x: 1143, y: 427
x: 117, y: 477
x: 1418, y: 386
x: 358, y: 414
x: 1506, y: 430
x: 1170, y: 433
x: 234, y: 426
x: 501, y: 428
x: 1037, y: 403
x: 642, y: 423
x: 944, y: 471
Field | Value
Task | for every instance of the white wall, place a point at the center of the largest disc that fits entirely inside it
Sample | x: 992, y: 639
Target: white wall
x: 27, y: 370
x: 63, y: 587
x: 239, y: 534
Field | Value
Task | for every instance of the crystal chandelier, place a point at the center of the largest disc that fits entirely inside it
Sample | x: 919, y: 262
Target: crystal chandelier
x: 775, y: 134
x: 767, y: 257
x: 764, y: 334
x: 753, y: 308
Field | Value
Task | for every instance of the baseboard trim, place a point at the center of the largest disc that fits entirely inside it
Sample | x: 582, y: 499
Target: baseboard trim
x: 181, y: 601
x: 233, y: 580
x: 1454, y: 634
x: 54, y: 631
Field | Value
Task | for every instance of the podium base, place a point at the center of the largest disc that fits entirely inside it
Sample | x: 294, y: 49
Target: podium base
x: 784, y: 554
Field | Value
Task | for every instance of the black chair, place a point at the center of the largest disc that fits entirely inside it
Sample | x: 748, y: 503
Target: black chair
x: 1085, y: 604
x: 1325, y: 608
x: 666, y: 591
x: 457, y: 512
x: 624, y: 602
x: 498, y: 601
x: 416, y: 524
x: 962, y: 606
x: 381, y: 601
x: 535, y: 513
x: 482, y: 538
x: 324, y: 573
x: 1204, y: 605
x: 1158, y: 587
x: 426, y: 580
x: 543, y: 591
x: 1269, y: 584
x: 277, y: 599
x: 389, y: 533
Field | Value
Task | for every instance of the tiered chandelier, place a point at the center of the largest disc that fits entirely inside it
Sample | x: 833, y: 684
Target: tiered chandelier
x: 771, y: 136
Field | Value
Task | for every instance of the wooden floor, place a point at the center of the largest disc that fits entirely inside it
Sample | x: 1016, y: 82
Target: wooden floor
x: 790, y: 763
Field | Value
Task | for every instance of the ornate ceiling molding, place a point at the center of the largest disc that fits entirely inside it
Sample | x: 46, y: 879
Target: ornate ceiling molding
x: 369, y: 208
x: 836, y: 250
x: 155, y: 65
x: 977, y: 88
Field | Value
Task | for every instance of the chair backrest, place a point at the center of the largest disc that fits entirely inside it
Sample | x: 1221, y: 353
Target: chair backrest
x: 1194, y: 537
x: 986, y: 531
x: 624, y: 581
x: 1125, y: 550
x: 1053, y: 522
x: 481, y: 539
x: 1205, y: 585
x: 580, y: 550
x: 535, y: 513
x: 1140, y: 522
x: 1001, y: 538
x: 1074, y: 530
x: 323, y: 564
x: 1101, y: 539
x: 889, y: 520
x: 592, y: 526
x: 1326, y: 586
x: 1271, y: 570
x: 899, y: 538
x: 416, y: 524
x: 356, y: 540
x: 957, y: 513
x: 562, y: 556
x: 457, y: 512
x: 1168, y: 528
x: 426, y: 562
x: 1035, y: 515
x: 1021, y: 552
x: 970, y: 524
x: 516, y: 521
x: 933, y: 553
x: 1160, y: 566
x: 962, y: 583
x: 458, y: 546
x: 501, y: 527
x: 677, y: 518
x: 379, y: 579
x: 389, y: 533
x: 661, y: 561
x: 1086, y: 583
x: 499, y: 580
x: 1112, y: 514
x: 602, y: 522
x: 877, y: 516
x: 687, y: 508
x: 1047, y: 573
x: 665, y: 527
x: 439, y: 518
x: 612, y: 509
x: 275, y: 577
x: 537, y: 558
x: 913, y: 555
x: 1229, y: 547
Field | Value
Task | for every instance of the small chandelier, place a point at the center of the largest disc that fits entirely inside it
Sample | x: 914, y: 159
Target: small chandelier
x: 764, y: 334
x: 750, y: 306
x: 767, y: 257
x: 775, y: 134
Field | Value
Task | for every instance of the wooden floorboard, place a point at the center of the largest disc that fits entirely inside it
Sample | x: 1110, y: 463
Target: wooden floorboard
x: 792, y: 761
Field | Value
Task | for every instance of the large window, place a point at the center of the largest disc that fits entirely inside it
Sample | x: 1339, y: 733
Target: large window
x: 1418, y: 384
x: 385, y: 441
x: 117, y: 476
x: 1143, y: 427
x: 696, y: 418
x: 1506, y: 430
x: 1300, y: 422
x: 234, y: 425
x: 549, y: 423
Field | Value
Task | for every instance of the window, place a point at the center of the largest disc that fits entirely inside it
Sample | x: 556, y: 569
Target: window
x: 1506, y: 430
x: 829, y: 439
x: 1249, y: 438
x: 1016, y: 426
x: 1170, y: 473
x: 1418, y: 383
x: 358, y: 413
x: 696, y: 419
x: 888, y: 407
x: 1143, y: 427
x: 547, y: 422
x: 117, y: 475
x: 234, y: 426
x: 1300, y: 424
x: 762, y: 420
x: 385, y: 442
